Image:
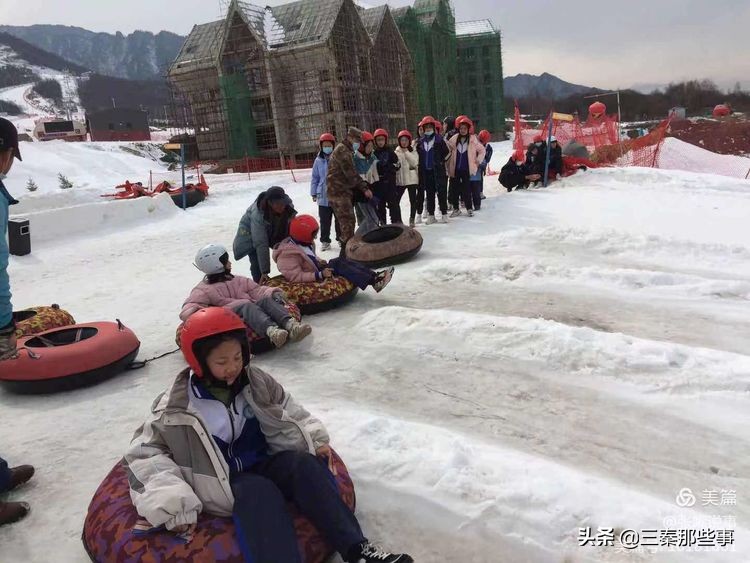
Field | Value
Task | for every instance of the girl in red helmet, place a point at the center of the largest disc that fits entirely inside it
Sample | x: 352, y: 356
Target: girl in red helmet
x: 467, y: 153
x: 227, y: 439
x: 296, y: 260
x: 385, y: 189
x: 366, y: 165
x: 433, y: 152
x: 261, y: 307
x: 319, y: 190
x: 477, y: 180
x: 516, y: 174
x: 407, y: 177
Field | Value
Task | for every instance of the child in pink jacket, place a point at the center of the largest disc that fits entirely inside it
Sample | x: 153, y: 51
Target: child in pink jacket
x: 262, y: 308
x: 296, y: 260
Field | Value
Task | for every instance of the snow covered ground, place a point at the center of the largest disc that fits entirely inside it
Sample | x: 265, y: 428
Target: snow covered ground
x: 570, y: 357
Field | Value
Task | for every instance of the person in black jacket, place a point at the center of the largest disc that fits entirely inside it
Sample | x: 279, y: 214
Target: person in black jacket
x: 385, y: 189
x: 534, y: 160
x: 555, y: 159
x: 516, y: 174
x: 432, y: 155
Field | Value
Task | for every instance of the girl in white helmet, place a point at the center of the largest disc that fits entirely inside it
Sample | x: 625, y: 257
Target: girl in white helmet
x: 262, y: 308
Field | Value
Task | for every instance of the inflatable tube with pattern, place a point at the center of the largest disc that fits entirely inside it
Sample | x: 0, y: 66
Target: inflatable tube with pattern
x: 384, y: 246
x: 316, y: 297
x: 109, y: 535
x: 39, y: 319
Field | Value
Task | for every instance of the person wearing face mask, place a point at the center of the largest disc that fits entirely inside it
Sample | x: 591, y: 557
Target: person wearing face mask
x: 366, y: 164
x: 433, y: 153
x: 386, y: 189
x: 319, y: 191
x: 343, y: 182
x: 515, y: 174
x: 555, y: 159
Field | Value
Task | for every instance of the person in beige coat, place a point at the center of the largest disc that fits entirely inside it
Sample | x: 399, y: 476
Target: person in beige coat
x: 407, y: 177
x: 466, y: 155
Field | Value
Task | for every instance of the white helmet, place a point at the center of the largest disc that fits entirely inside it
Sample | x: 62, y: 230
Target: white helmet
x: 553, y: 139
x: 208, y: 259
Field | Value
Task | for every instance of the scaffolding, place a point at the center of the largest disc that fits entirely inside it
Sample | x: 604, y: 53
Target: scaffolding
x: 480, y: 91
x: 266, y: 82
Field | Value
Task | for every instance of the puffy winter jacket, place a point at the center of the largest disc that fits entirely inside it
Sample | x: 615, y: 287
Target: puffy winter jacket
x: 436, y: 155
x: 343, y: 180
x: 512, y: 175
x: 175, y: 468
x: 229, y: 294
x: 476, y: 155
x: 295, y: 264
x: 408, y: 174
x: 254, y: 233
x: 318, y: 186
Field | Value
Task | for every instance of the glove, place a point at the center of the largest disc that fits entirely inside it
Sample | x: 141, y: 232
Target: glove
x: 8, y: 342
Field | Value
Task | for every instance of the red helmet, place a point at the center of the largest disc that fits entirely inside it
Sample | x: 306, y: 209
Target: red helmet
x: 463, y: 120
x: 327, y: 137
x: 538, y: 139
x: 209, y: 322
x: 405, y: 133
x: 519, y: 155
x: 427, y: 120
x: 438, y: 126
x: 303, y: 228
x: 597, y: 109
x: 484, y: 136
x: 367, y: 137
x: 381, y: 133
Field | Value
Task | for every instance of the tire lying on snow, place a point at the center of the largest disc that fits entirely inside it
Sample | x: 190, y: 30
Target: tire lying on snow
x: 317, y: 297
x: 114, y: 533
x: 192, y: 198
x: 387, y: 245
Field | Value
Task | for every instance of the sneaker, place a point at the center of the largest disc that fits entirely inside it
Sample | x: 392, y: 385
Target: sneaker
x: 383, y: 279
x: 325, y: 246
x: 431, y: 220
x: 411, y: 224
x: 14, y: 511
x: 444, y: 219
x: 371, y: 553
x: 455, y: 213
x: 483, y: 196
x: 297, y: 331
x: 19, y: 475
x: 278, y: 336
x: 419, y: 220
x: 470, y: 213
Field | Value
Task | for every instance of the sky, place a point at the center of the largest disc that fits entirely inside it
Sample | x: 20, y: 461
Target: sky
x: 590, y: 42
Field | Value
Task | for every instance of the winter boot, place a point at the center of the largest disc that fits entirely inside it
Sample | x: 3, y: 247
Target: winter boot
x: 444, y: 218
x: 430, y: 220
x: 13, y: 511
x: 367, y: 552
x: 383, y: 279
x: 325, y: 246
x: 19, y: 475
x: 278, y: 336
x: 419, y: 219
x: 470, y: 213
x: 411, y: 224
x: 297, y: 331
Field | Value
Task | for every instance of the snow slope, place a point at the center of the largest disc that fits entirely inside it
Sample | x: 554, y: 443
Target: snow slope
x: 679, y: 155
x: 569, y: 357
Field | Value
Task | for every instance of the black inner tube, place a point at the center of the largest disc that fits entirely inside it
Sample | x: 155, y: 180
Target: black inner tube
x: 20, y: 316
x: 383, y: 234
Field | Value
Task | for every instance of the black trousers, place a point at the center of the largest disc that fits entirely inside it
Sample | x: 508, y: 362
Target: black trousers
x: 389, y: 199
x: 476, y: 193
x: 435, y: 185
x: 326, y: 217
x: 264, y: 527
x: 463, y: 188
x: 416, y: 200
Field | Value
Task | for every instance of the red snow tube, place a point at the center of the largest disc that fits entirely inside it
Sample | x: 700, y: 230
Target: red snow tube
x: 67, y: 358
x: 39, y: 319
x: 109, y: 535
x: 259, y: 344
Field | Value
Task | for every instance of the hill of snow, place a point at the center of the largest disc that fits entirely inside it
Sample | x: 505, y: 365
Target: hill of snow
x: 570, y: 357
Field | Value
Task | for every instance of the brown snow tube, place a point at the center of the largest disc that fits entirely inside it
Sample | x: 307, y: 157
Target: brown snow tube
x: 383, y: 246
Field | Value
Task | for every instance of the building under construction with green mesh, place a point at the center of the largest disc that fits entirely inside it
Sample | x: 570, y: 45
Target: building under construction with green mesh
x: 268, y: 81
x: 458, y: 66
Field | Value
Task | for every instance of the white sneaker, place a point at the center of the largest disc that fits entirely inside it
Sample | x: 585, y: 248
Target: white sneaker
x: 430, y: 220
x: 444, y: 219
x: 411, y: 224
x: 325, y: 246
x: 419, y: 219
x: 384, y: 278
x: 277, y: 335
x: 297, y: 331
x: 455, y: 213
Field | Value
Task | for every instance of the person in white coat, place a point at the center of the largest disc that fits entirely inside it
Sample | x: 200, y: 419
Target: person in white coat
x: 407, y: 177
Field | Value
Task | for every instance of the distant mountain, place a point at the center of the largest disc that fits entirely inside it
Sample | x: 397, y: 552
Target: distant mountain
x: 38, y: 57
x: 546, y: 86
x: 139, y: 56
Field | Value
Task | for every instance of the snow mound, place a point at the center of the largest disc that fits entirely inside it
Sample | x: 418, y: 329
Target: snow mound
x: 679, y: 155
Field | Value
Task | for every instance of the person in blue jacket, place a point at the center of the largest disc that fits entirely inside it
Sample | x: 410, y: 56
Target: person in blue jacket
x: 476, y: 182
x: 319, y: 190
x: 10, y: 478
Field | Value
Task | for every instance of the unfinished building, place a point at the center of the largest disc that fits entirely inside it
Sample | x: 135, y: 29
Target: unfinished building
x: 268, y: 81
x: 480, y: 60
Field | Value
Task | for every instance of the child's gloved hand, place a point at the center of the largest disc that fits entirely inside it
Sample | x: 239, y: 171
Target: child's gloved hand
x: 328, y: 273
x: 326, y: 453
x: 264, y: 279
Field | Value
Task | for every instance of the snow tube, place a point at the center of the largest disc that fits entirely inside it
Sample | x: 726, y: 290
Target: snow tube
x: 39, y: 319
x: 67, y: 358
x: 259, y: 344
x: 109, y: 535
x: 317, y: 297
x: 192, y: 198
x: 386, y: 245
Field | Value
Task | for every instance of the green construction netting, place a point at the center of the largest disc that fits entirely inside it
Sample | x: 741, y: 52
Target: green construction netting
x: 241, y: 126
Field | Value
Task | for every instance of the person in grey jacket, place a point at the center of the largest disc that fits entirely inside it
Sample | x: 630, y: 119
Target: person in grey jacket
x: 226, y: 438
x: 263, y: 226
